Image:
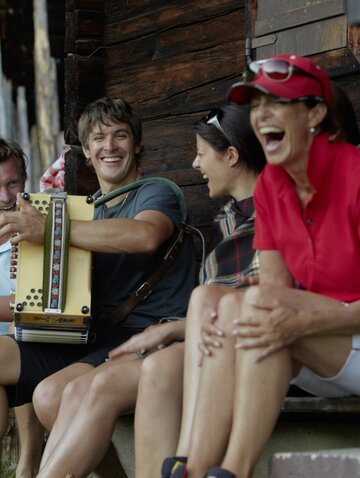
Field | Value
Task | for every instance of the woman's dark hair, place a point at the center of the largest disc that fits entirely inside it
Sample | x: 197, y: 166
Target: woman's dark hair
x: 340, y: 120
x: 344, y: 116
x: 237, y: 131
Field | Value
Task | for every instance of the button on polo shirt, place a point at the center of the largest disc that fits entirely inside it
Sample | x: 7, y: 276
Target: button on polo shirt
x: 319, y: 243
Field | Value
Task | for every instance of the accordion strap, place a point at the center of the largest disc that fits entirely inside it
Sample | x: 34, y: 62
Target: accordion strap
x: 123, y: 310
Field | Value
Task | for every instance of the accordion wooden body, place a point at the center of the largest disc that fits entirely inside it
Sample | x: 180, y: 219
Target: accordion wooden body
x: 52, y: 299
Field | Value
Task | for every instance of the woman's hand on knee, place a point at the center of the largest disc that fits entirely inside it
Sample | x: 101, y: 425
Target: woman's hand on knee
x: 210, y: 338
x: 271, y: 332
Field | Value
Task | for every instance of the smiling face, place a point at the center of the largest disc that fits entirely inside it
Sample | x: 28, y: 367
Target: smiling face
x: 11, y: 183
x: 112, y: 153
x: 214, y: 168
x: 283, y: 129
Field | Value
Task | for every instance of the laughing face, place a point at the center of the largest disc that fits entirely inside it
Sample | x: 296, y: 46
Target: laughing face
x: 212, y: 166
x: 283, y: 129
x: 11, y: 183
x: 112, y: 154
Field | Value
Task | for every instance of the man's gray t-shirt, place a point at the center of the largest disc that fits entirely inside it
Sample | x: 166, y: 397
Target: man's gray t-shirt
x: 117, y: 276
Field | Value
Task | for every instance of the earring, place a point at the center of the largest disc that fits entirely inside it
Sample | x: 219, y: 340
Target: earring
x: 312, y: 130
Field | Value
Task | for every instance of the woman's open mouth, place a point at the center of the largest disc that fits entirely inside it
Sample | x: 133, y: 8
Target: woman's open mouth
x: 273, y: 137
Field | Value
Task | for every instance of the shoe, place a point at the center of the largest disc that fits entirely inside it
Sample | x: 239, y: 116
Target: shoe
x: 179, y: 470
x: 219, y: 473
x: 174, y: 467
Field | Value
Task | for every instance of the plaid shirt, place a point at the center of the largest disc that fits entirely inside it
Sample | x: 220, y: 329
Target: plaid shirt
x: 231, y: 254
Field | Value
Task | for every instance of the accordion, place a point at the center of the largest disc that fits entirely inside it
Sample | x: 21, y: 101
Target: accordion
x: 52, y: 299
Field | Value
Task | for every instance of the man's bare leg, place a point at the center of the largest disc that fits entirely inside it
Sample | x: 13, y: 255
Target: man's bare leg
x: 80, y: 449
x: 31, y: 435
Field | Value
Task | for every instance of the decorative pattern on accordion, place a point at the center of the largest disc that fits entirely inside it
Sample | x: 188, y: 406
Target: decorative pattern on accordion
x: 53, y: 281
x: 57, y: 253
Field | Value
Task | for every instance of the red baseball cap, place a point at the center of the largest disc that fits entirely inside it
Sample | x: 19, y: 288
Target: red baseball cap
x: 303, y: 78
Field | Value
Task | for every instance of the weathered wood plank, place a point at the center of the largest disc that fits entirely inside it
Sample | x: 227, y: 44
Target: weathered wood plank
x: 318, y: 404
x: 79, y: 178
x: 83, y: 83
x: 291, y: 13
x: 84, y: 4
x: 168, y: 85
x: 139, y: 19
x: 310, y: 39
x: 166, y: 44
x: 338, y: 63
x: 201, y: 210
x: 84, y: 31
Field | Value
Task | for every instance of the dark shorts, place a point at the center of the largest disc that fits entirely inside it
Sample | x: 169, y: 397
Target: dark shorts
x: 38, y: 360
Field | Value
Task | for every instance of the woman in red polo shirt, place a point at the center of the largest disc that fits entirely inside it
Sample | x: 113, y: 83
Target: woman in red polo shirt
x: 301, y: 324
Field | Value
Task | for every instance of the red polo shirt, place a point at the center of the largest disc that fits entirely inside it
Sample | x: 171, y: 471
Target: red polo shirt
x: 320, y: 244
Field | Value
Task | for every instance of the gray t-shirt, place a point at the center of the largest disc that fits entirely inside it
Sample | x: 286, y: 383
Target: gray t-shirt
x: 117, y: 276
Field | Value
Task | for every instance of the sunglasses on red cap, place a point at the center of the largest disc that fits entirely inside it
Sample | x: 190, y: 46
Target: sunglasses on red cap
x: 214, y: 118
x: 274, y: 69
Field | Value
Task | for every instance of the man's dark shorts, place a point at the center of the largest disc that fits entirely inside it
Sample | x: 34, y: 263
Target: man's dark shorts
x: 38, y: 360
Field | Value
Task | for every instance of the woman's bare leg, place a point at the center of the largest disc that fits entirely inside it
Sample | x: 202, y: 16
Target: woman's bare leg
x: 158, y: 410
x: 261, y: 387
x: 214, y: 407
x: 112, y: 392
x: 203, y: 302
x: 233, y: 396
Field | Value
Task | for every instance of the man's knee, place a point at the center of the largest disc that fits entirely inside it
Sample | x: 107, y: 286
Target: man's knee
x: 9, y: 361
x: 46, y: 400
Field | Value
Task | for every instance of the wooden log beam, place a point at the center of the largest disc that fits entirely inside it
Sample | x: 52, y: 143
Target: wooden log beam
x: 43, y: 85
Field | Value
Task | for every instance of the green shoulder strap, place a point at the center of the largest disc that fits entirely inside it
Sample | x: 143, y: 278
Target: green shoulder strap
x: 99, y: 200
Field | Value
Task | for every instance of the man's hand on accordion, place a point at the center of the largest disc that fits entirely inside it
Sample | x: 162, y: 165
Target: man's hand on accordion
x: 25, y: 224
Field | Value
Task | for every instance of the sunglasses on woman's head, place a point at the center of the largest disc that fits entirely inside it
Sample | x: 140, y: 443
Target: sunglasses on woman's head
x: 274, y: 69
x: 213, y: 118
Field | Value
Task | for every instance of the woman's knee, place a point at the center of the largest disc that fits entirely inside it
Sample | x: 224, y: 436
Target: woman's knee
x: 170, y: 362
x: 203, y: 303
x: 199, y: 296
x: 229, y: 308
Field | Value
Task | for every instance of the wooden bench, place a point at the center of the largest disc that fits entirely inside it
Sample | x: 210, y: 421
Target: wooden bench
x: 305, y: 424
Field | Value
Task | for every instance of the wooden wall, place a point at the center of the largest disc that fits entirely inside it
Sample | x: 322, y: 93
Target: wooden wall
x: 316, y: 28
x: 175, y: 60
x: 172, y: 60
